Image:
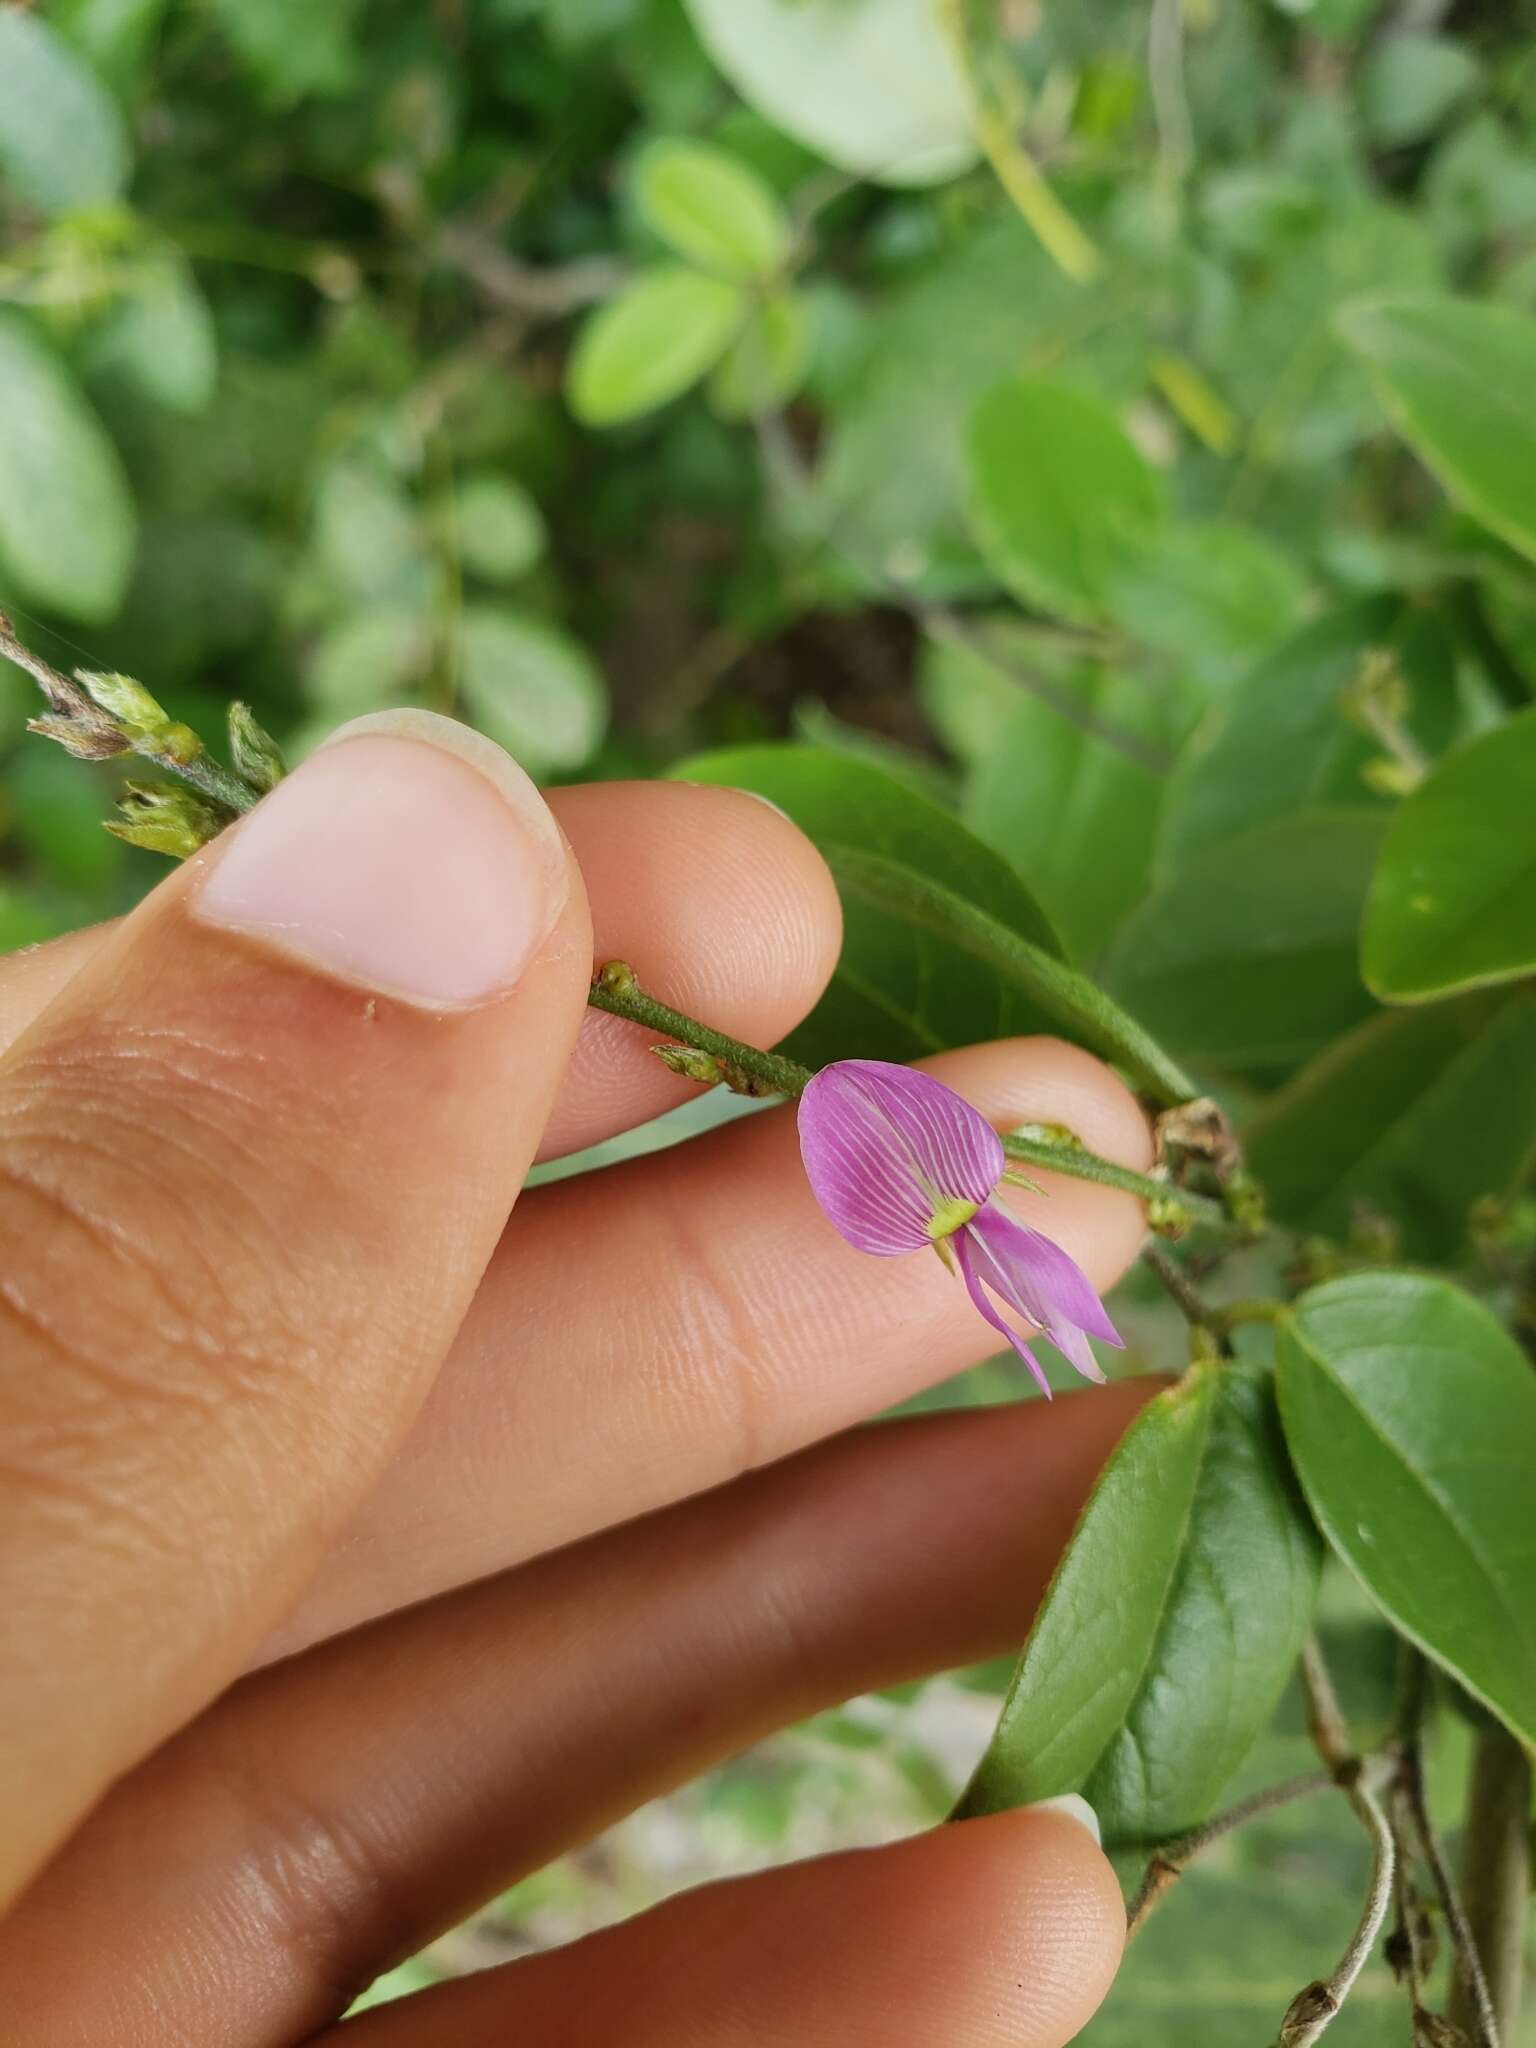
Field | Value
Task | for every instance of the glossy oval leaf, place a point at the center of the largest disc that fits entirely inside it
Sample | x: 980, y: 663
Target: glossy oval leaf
x: 712, y: 209
x: 1458, y: 380
x: 1414, y: 1117
x: 1060, y: 497
x: 161, y: 337
x: 871, y: 85
x: 650, y: 342
x: 63, y: 143
x: 1411, y: 1417
x: 1247, y: 958
x: 1209, y: 595
x: 1453, y: 901
x: 1073, y: 1003
x: 1173, y: 1620
x: 67, y: 520
x: 899, y: 990
x: 531, y: 687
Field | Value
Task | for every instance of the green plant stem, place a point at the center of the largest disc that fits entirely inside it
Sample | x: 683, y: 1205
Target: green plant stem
x: 1495, y: 1882
x: 616, y: 990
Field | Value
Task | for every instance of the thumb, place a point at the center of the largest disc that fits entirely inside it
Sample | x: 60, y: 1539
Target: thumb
x: 253, y: 1160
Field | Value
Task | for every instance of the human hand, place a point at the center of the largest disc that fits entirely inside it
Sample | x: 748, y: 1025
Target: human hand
x: 274, y: 1366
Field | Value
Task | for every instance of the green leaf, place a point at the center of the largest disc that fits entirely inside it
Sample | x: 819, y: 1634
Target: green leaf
x: 1247, y: 957
x: 1409, y: 83
x: 1282, y: 741
x: 63, y: 145
x: 1070, y: 1000
x: 293, y: 48
x: 1414, y: 1117
x: 1207, y: 593
x: 1077, y: 818
x: 497, y: 528
x: 1173, y: 1620
x: 1458, y: 379
x: 872, y: 85
x: 712, y: 209
x: 656, y: 337
x: 531, y: 687
x: 1453, y: 901
x: 1411, y: 1417
x: 112, y: 35
x: 766, y: 363
x: 67, y: 521
x: 161, y: 337
x: 368, y: 660
x: 1060, y: 496
x: 899, y: 990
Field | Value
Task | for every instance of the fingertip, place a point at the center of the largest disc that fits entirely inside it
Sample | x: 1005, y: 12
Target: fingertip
x: 723, y: 908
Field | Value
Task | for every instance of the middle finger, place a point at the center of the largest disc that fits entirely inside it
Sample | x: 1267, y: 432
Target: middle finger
x: 658, y: 1328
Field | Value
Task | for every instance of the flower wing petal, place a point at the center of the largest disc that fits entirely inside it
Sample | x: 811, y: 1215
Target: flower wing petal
x: 1038, y: 1278
x: 965, y: 1258
x: 884, y: 1146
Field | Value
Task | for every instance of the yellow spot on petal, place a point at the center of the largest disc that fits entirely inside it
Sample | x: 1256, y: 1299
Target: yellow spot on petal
x: 951, y: 1214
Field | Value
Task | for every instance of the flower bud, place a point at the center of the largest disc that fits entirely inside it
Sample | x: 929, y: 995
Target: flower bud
x: 127, y: 701
x: 257, y: 757
x: 163, y: 818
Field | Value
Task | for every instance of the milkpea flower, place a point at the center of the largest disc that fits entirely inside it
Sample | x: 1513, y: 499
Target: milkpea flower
x: 898, y: 1162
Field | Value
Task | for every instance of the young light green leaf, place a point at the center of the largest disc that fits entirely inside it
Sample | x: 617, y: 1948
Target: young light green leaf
x: 63, y: 145
x: 1073, y: 1003
x: 712, y: 209
x: 1060, y: 497
x: 872, y: 85
x: 1247, y: 957
x: 1458, y: 379
x: 900, y: 989
x: 531, y: 687
x: 1410, y: 82
x: 1414, y: 1117
x: 1453, y: 900
x: 67, y: 520
x: 1411, y: 1416
x: 497, y: 528
x: 766, y: 363
x: 1172, y: 1622
x: 649, y: 343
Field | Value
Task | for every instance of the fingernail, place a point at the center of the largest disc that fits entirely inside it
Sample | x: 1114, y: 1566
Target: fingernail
x: 408, y: 856
x: 1073, y: 1807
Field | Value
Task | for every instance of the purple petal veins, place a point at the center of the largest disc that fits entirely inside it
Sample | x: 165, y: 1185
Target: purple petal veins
x: 898, y: 1161
x: 886, y: 1147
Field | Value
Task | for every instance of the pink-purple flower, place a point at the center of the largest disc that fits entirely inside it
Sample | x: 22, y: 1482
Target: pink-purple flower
x: 898, y: 1161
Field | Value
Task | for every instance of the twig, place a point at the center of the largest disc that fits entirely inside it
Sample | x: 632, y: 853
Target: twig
x: 1169, y: 1862
x: 1178, y: 1284
x: 1170, y: 100
x: 1314, y: 2007
x: 941, y: 623
x: 544, y: 294
x: 1496, y: 1885
x: 1480, y: 2019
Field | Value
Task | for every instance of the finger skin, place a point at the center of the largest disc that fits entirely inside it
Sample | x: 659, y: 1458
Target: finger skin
x: 723, y: 907
x: 244, y: 1208
x: 518, y: 1717
x: 655, y: 1329
x: 999, y: 1933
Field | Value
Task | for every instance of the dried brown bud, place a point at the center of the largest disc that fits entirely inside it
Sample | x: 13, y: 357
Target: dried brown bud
x: 88, y: 739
